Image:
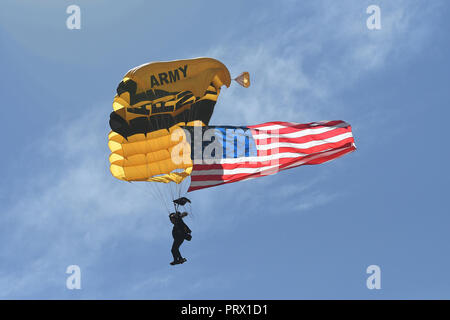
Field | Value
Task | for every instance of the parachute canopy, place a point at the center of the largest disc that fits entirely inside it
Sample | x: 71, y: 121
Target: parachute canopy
x: 152, y: 102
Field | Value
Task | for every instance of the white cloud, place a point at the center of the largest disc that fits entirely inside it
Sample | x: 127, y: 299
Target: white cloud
x: 79, y: 209
x: 296, y: 72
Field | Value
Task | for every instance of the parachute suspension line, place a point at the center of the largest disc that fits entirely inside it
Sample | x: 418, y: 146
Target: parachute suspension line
x: 171, y: 191
x: 180, y: 187
x: 158, y: 194
x: 154, y: 193
x: 141, y: 190
x: 184, y: 187
x: 190, y: 211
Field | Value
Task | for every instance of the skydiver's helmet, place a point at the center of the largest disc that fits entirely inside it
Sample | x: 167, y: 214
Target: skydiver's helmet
x: 172, y: 217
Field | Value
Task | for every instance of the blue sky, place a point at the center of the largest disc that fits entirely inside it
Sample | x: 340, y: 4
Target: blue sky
x: 305, y: 233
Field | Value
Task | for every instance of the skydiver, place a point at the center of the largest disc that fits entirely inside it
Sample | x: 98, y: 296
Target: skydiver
x: 180, y: 232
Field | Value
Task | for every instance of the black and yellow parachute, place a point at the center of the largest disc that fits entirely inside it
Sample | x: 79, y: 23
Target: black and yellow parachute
x: 152, y: 101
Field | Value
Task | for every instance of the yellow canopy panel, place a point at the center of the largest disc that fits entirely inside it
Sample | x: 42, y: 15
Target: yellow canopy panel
x: 160, y: 156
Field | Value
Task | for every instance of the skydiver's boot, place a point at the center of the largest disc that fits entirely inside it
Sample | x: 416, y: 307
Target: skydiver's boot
x: 178, y: 261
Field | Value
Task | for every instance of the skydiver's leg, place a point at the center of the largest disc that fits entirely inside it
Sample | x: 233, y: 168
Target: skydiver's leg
x: 175, y: 248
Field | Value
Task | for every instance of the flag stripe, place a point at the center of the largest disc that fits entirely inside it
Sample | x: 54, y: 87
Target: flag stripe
x: 291, y: 132
x: 267, y: 125
x: 313, y: 135
x: 278, y: 159
x: 280, y: 146
x: 201, y: 184
x: 224, y: 173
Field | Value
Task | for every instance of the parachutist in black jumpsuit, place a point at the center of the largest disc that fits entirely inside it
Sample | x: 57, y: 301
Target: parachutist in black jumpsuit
x: 180, y: 232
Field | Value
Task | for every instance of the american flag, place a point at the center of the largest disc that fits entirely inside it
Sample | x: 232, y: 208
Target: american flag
x: 265, y: 149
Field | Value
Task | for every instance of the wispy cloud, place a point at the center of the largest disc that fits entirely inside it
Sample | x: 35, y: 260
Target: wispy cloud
x: 297, y: 71
x: 78, y: 212
x: 75, y: 209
